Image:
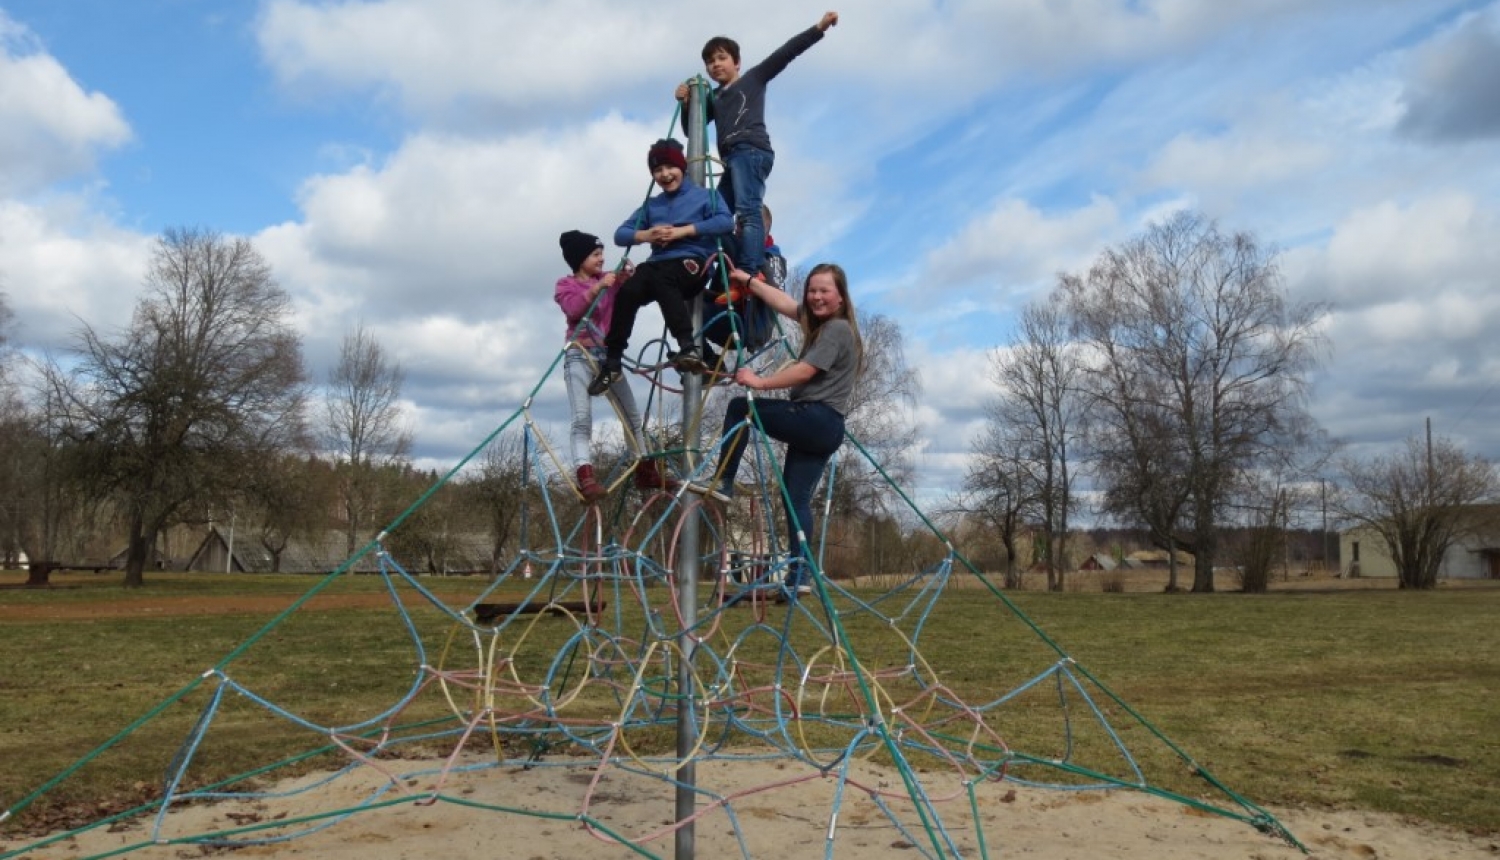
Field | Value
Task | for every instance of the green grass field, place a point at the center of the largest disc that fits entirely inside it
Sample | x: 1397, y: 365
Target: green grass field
x: 1371, y: 699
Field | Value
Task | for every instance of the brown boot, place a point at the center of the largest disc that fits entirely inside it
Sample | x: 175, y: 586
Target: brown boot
x: 648, y: 476
x: 591, y: 490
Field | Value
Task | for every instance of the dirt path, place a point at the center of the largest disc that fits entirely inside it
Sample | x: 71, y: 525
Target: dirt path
x: 168, y: 606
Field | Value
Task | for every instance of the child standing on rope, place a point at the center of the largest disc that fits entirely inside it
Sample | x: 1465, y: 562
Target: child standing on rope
x: 753, y: 318
x: 680, y: 224
x: 811, y: 420
x: 587, y: 298
x: 737, y: 108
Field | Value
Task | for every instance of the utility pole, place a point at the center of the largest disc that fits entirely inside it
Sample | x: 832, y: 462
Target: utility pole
x: 229, y: 547
x: 1286, y: 543
x: 1327, y: 554
x: 1429, y: 464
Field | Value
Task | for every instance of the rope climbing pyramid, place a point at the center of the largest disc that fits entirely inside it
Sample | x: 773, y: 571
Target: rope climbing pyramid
x: 573, y: 658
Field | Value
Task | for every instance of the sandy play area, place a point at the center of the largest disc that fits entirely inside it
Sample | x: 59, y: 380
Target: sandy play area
x: 788, y: 821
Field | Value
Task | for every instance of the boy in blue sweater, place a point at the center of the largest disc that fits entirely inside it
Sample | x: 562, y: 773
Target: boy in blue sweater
x: 680, y: 223
x: 737, y: 108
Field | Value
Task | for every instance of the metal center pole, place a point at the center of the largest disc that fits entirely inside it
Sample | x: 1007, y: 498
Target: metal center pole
x: 687, y: 541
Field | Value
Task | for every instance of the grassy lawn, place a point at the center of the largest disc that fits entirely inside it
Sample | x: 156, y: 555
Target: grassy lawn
x: 1374, y: 699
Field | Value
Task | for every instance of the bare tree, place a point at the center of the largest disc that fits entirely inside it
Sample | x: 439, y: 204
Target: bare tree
x: 56, y: 516
x: 21, y: 472
x: 1421, y: 500
x: 202, y: 388
x: 1041, y: 410
x: 17, y: 466
x: 364, y: 427
x: 430, y: 538
x: 1285, y: 481
x: 884, y: 393
x: 1193, y: 342
x: 501, y: 490
x: 1139, y: 463
x: 287, y: 498
x: 31, y: 489
x: 996, y: 494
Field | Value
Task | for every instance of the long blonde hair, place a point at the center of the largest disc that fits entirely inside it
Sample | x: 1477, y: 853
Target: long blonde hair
x: 811, y: 326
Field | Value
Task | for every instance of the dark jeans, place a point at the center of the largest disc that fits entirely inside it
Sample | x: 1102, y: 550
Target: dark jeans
x: 753, y: 319
x: 812, y: 431
x: 669, y: 283
x: 746, y: 169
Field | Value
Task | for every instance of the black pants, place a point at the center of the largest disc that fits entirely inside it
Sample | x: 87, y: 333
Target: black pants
x: 669, y: 283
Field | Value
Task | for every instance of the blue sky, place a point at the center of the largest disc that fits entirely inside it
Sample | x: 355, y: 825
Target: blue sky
x: 410, y: 163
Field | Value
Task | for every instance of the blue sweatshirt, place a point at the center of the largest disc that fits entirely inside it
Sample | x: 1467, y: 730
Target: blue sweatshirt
x: 689, y: 204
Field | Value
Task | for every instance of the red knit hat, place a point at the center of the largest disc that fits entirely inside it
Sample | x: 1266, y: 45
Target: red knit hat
x: 666, y: 151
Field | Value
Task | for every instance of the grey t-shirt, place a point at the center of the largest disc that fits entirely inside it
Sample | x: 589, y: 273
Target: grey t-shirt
x: 833, y: 354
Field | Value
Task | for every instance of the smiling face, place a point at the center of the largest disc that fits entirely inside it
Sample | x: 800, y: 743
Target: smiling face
x: 722, y: 68
x: 667, y: 176
x: 823, y: 299
x: 593, y: 264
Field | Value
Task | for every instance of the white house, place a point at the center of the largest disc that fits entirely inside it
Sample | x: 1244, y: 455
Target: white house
x: 1363, y: 552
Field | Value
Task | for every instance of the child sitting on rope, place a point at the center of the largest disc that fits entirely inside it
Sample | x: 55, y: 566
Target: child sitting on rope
x: 587, y: 297
x: 680, y: 223
x: 737, y: 108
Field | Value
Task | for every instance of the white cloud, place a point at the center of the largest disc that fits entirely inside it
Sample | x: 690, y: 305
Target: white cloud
x: 1390, y: 252
x: 955, y: 391
x: 441, y: 57
x: 1233, y: 162
x: 1414, y: 314
x: 519, y: 61
x: 63, y: 266
x: 50, y: 128
x: 448, y: 250
x: 1275, y: 117
x: 489, y: 364
x: 458, y: 225
x: 1020, y: 247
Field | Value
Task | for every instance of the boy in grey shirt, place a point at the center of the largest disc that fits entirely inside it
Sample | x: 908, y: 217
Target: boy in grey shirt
x: 737, y: 108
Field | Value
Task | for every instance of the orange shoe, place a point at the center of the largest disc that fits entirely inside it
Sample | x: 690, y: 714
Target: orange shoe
x: 734, y: 296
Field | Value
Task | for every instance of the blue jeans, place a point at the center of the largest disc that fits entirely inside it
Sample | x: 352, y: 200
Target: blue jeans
x: 747, y: 168
x: 812, y: 431
x: 576, y: 373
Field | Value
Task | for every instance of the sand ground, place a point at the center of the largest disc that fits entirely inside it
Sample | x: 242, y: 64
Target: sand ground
x: 790, y: 820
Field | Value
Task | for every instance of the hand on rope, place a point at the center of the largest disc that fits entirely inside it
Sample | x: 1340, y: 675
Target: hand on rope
x: 733, y: 293
x: 621, y: 274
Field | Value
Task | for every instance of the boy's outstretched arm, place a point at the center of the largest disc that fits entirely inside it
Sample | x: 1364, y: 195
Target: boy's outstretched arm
x: 780, y: 58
